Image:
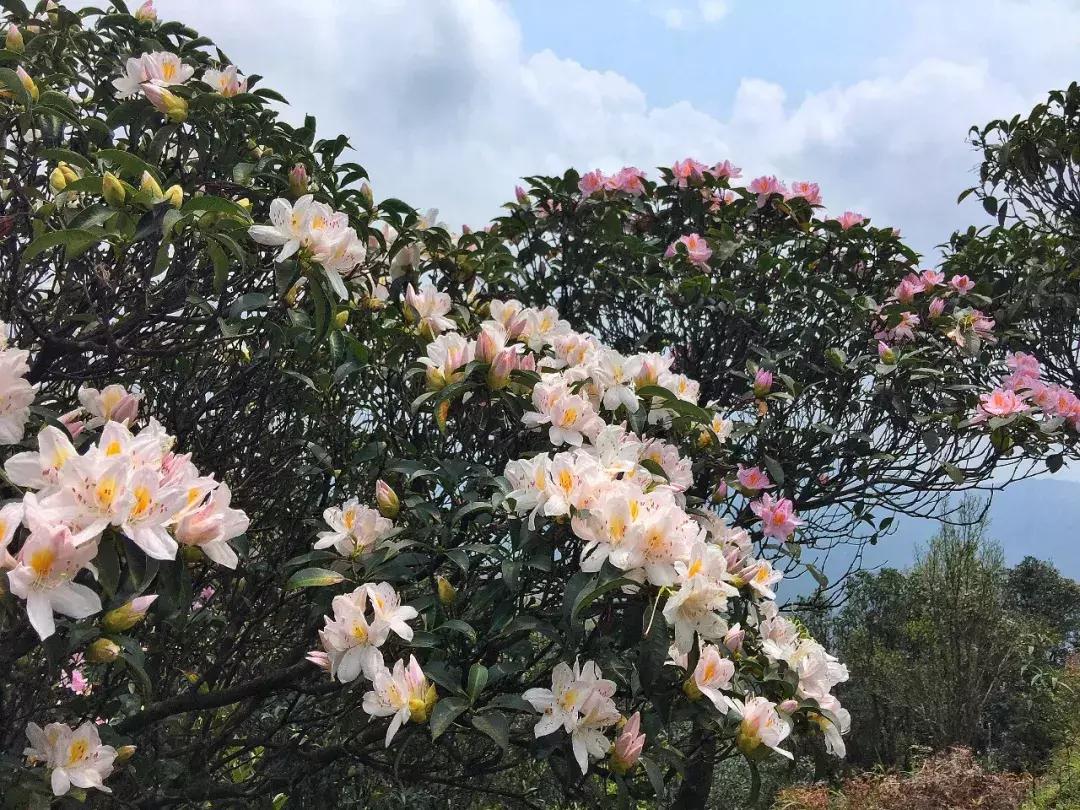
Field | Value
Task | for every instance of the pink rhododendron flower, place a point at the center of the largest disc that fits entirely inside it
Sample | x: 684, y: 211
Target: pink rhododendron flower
x: 685, y: 172
x: 937, y: 306
x: 777, y: 516
x: 763, y: 382
x: 628, y: 745
x: 627, y: 180
x: 1000, y: 402
x: 753, y: 479
x: 962, y: 284
x: 931, y: 278
x: 765, y: 187
x: 849, y: 219
x: 810, y: 192
x: 697, y: 249
x: 521, y: 195
x: 726, y: 169
x: 591, y: 182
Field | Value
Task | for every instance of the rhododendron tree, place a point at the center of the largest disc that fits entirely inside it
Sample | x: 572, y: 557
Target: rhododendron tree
x: 316, y: 496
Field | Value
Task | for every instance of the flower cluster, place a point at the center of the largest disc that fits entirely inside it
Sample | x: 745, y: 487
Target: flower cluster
x: 351, y: 640
x: 75, y: 757
x: 133, y: 483
x: 623, y: 495
x: 319, y: 232
x: 1023, y: 391
x: 627, y: 180
x: 354, y: 529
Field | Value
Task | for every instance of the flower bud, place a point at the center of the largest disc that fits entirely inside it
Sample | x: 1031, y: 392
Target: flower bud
x: 720, y: 492
x: 127, y: 616
x: 788, y: 706
x: 319, y: 658
x: 366, y: 197
x: 146, y: 12
x: 447, y: 592
x: 57, y: 180
x: 763, y: 382
x: 734, y: 637
x: 490, y: 341
x: 102, y: 651
x: 521, y: 195
x: 442, y: 415
x: 174, y: 196
x: 28, y: 83
x: 387, y: 500
x: 14, y: 39
x: 298, y: 180
x: 150, y: 186
x: 245, y: 204
x: 73, y: 421
x: 937, y: 306
x: 166, y: 102
x: 499, y: 373
x: 690, y: 689
x: 341, y: 319
x: 420, y: 708
x: 113, y: 190
x: 886, y: 353
x: 123, y: 754
x: 627, y: 748
x: 836, y: 357
x: 70, y: 175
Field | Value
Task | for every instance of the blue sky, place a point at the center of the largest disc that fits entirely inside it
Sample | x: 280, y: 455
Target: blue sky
x: 449, y: 101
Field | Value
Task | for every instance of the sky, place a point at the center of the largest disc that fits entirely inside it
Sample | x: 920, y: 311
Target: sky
x: 448, y: 102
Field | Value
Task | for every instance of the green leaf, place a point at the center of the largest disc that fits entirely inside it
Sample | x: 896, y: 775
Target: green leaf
x: 458, y: 626
x: 446, y: 711
x: 215, y: 204
x: 74, y: 242
x: 57, y: 154
x: 586, y: 597
x: 129, y: 164
x: 954, y: 472
x: 494, y: 725
x: 478, y: 678
x: 314, y: 578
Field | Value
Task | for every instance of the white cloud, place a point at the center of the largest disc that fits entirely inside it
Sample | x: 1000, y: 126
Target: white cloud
x: 446, y: 108
x: 713, y: 11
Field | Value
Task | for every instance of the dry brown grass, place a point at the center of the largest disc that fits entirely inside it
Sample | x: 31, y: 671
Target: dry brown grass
x: 951, y: 780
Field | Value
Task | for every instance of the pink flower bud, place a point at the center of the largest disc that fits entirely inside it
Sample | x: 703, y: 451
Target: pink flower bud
x: 734, y: 637
x: 505, y: 362
x: 788, y: 706
x: 886, y: 353
x: 127, y: 616
x: 298, y: 180
x: 937, y: 306
x: 628, y: 745
x: 387, y: 500
x: 763, y: 382
x: 521, y: 195
x: 73, y: 421
x: 319, y: 659
x: 146, y: 12
x: 490, y: 342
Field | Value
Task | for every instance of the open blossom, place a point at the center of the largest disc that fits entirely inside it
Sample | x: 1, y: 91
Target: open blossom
x: 211, y: 525
x: 697, y: 249
x: 685, y: 172
x: 628, y: 745
x: 726, y: 169
x: 761, y: 576
x: 113, y: 403
x: 16, y: 395
x: 591, y: 182
x: 1000, y: 402
x: 354, y: 529
x: 404, y: 693
x: 570, y: 416
x: 931, y: 278
x: 810, y: 192
x: 712, y: 674
x: 761, y: 725
x: 579, y: 702
x: 351, y: 641
x: 430, y: 308
x: 227, y: 82
x: 777, y: 516
x: 753, y: 479
x: 75, y: 680
x: 962, y: 284
x: 765, y: 187
x: 627, y: 180
x: 697, y: 606
x: 75, y: 757
x: 159, y: 69
x: 850, y: 219
x: 45, y: 571
x: 447, y: 356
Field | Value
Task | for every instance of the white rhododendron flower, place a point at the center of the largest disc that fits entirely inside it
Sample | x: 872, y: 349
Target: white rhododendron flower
x: 761, y: 725
x: 159, y: 69
x: 354, y: 529
x: 362, y: 622
x: 16, y: 394
x: 227, y: 82
x: 113, y: 403
x: 579, y: 702
x: 404, y: 693
x: 713, y: 674
x: 75, y: 757
x: 430, y: 309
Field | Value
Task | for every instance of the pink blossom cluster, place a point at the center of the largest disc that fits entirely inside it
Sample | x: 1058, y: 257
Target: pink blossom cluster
x: 131, y: 483
x: 627, y: 180
x: 1023, y: 391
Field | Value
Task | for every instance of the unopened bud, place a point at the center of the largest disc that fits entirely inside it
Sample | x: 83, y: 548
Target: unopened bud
x: 387, y: 500
x: 298, y: 180
x: 57, y: 180
x: 836, y: 357
x: 102, y: 651
x: 341, y: 319
x: 447, y: 592
x: 28, y: 83
x: 690, y: 689
x: 734, y: 637
x: 245, y: 204
x: 521, y: 195
x: 14, y: 39
x: 499, y: 373
x: 69, y: 173
x: 174, y: 196
x: 123, y: 754
x: 366, y: 196
x: 113, y: 190
x: 146, y: 12
x: 166, y: 102
x: 886, y: 353
x: 150, y: 186
x: 442, y: 414
x: 789, y: 706
x: 127, y: 616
